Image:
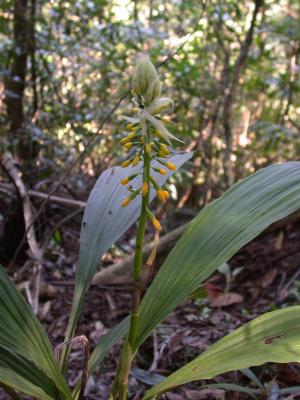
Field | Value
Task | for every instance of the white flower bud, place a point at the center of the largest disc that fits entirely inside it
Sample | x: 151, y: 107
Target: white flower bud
x: 146, y: 83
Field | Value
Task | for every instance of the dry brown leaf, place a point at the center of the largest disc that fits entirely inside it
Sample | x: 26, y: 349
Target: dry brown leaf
x: 213, y: 290
x: 279, y: 240
x: 227, y: 299
x: 268, y: 278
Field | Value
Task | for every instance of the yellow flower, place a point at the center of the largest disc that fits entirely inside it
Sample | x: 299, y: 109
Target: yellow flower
x: 124, y: 181
x: 145, y: 189
x: 156, y: 224
x: 131, y: 127
x: 162, y: 154
x: 164, y: 149
x: 128, y: 146
x: 126, y: 163
x: 154, y: 221
x: 162, y: 194
x: 132, y: 135
x: 156, y: 133
x: 171, y: 166
x: 128, y: 138
x: 124, y: 140
x: 125, y: 202
x: 166, y: 119
x: 166, y: 194
x: 136, y: 160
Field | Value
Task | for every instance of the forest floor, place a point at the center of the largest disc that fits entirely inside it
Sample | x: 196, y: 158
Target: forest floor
x: 262, y: 276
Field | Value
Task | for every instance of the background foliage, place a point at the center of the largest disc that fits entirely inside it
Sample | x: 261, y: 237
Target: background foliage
x: 80, y: 55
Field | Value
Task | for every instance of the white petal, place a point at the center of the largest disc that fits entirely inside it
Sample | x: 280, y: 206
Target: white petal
x: 162, y: 102
x: 161, y: 127
x: 129, y: 119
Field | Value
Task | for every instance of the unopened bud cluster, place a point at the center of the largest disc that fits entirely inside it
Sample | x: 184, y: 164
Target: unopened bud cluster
x: 147, y: 137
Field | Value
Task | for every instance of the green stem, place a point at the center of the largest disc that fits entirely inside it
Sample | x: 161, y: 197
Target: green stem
x: 129, y: 344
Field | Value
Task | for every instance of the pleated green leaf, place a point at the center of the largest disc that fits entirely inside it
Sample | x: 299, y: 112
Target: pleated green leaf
x: 24, y: 376
x: 272, y: 337
x: 104, y: 221
x: 21, y: 333
x: 11, y: 379
x: 216, y: 234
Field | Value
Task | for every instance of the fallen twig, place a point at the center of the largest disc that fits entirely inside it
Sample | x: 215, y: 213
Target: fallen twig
x: 121, y: 272
x: 11, y: 168
x: 86, y: 348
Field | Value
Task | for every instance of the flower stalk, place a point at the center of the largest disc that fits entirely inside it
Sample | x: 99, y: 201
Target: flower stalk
x: 127, y: 352
x: 148, y: 140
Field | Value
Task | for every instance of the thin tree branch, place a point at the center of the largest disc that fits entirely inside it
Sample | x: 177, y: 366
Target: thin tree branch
x: 232, y: 89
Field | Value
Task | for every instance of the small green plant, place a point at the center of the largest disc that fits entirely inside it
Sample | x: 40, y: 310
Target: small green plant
x: 120, y: 196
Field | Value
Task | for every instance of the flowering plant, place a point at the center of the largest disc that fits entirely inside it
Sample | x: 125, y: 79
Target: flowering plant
x: 150, y: 140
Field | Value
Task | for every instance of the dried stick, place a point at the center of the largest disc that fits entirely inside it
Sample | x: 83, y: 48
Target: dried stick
x: 118, y: 273
x: 11, y: 168
x: 54, y: 199
x: 86, y: 348
x: 57, y: 199
x: 121, y: 272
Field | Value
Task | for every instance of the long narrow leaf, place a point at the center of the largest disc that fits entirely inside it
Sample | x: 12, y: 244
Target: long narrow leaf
x: 216, y: 234
x: 251, y: 375
x: 11, y: 379
x: 23, y: 375
x: 272, y: 337
x: 22, y: 333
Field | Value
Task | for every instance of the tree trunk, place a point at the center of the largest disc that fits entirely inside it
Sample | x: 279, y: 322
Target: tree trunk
x: 15, y: 83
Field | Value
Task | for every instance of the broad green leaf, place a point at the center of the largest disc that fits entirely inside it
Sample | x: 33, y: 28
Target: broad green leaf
x: 22, y: 334
x: 104, y: 221
x: 216, y: 234
x: 272, y: 337
x: 24, y: 376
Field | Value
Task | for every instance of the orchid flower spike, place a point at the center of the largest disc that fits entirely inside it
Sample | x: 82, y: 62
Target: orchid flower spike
x: 147, y: 136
